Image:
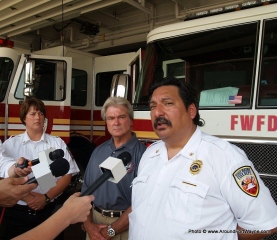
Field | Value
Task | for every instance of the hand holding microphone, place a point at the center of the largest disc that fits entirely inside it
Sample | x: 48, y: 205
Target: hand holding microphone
x: 113, y: 169
x: 56, y: 154
x: 15, y: 171
x: 58, y: 168
x: 45, y: 174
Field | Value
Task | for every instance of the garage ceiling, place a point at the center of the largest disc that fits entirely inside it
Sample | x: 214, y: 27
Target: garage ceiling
x: 103, y: 27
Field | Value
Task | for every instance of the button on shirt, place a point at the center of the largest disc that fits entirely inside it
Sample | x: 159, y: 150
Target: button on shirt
x: 169, y: 202
x: 22, y: 146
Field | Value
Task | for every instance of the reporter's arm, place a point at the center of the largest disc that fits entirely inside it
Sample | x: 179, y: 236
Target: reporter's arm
x: 12, y: 190
x: 16, y: 172
x: 253, y: 236
x: 75, y: 209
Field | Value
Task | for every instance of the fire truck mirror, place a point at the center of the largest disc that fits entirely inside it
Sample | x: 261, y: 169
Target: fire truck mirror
x: 119, y: 86
x: 29, y: 72
x: 28, y: 91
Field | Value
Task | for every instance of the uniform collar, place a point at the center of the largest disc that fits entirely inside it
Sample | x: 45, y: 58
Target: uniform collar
x: 188, y: 151
x: 26, y: 138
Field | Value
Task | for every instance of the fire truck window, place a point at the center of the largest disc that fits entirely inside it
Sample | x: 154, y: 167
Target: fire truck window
x: 6, y: 68
x: 175, y: 68
x: 49, y: 82
x: 103, y: 86
x: 267, y: 95
x: 218, y: 62
x: 79, y: 88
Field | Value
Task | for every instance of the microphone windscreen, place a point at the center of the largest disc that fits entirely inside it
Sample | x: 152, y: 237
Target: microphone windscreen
x: 125, y: 157
x: 56, y: 154
x: 59, y: 167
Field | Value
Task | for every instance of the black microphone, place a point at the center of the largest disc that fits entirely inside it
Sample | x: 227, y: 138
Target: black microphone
x: 56, y: 154
x: 125, y: 157
x: 58, y: 168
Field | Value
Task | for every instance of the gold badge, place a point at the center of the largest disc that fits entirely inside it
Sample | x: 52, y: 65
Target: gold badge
x: 195, y: 166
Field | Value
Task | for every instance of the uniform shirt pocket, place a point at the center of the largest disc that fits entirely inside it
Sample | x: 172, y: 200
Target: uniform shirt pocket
x: 138, y: 186
x: 185, y: 200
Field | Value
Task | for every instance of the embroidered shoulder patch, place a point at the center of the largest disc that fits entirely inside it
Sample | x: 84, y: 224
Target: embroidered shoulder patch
x: 247, y: 181
x: 129, y: 167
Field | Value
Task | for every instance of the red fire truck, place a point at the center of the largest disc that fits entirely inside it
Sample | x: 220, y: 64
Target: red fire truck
x: 230, y: 58
x: 229, y: 55
x: 73, y: 89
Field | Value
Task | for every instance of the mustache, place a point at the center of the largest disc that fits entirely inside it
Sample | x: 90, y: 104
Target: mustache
x: 162, y: 120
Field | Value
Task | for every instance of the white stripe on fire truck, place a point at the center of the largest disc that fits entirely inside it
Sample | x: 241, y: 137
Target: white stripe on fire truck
x: 16, y: 126
x: 57, y: 127
x: 22, y: 127
x: 61, y: 127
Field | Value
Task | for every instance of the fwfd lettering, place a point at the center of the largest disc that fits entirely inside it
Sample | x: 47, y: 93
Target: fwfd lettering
x: 243, y: 172
x: 254, y: 122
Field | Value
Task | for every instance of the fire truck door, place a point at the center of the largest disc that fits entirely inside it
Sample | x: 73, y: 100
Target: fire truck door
x: 50, y: 81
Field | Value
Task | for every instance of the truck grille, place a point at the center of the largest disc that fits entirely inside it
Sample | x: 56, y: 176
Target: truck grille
x: 264, y: 158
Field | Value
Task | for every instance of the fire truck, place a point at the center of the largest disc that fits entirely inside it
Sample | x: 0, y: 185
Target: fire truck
x: 231, y: 60
x: 229, y: 54
x: 73, y: 86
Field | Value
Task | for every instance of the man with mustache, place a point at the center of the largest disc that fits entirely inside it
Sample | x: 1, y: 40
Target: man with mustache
x: 189, y: 183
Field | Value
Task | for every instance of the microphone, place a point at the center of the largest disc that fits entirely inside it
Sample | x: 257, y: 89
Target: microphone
x: 125, y: 157
x: 113, y: 169
x: 56, y: 154
x: 58, y: 168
